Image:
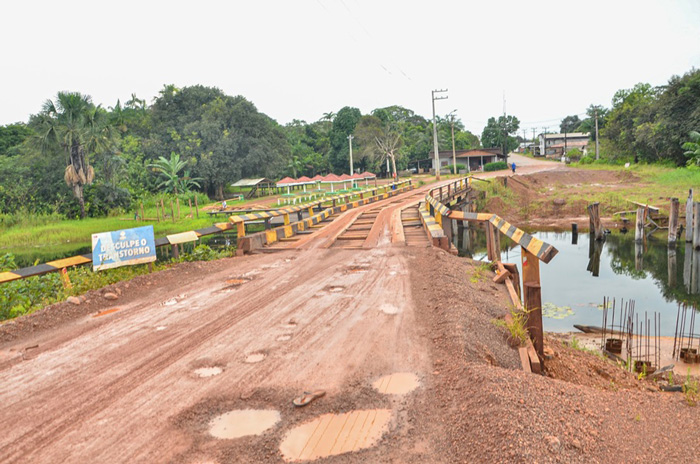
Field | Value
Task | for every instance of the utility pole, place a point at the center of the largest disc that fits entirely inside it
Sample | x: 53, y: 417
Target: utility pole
x: 350, y: 137
x: 454, y: 153
x: 596, y: 134
x: 435, y: 139
x: 534, y: 129
x: 505, y: 132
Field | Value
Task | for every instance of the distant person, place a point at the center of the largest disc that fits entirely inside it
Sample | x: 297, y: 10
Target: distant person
x: 512, y: 166
x: 223, y: 205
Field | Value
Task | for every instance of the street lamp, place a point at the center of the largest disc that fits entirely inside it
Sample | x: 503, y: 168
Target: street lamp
x: 435, y: 139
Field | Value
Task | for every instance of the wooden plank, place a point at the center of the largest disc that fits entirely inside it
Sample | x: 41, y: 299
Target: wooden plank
x: 653, y: 209
x: 183, y: 237
x: 535, y: 363
x: 502, y: 274
x: 524, y: 359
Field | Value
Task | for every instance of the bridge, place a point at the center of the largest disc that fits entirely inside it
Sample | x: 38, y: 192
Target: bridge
x: 360, y: 299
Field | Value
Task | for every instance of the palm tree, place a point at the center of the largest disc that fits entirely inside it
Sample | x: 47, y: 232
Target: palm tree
x: 169, y: 170
x: 693, y: 147
x: 79, y: 128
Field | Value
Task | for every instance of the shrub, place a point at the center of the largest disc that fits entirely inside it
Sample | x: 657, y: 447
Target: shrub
x: 497, y: 166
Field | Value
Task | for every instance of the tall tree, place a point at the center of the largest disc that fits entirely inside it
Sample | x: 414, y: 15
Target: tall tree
x: 496, y: 130
x: 343, y: 125
x: 80, y: 129
x: 570, y: 124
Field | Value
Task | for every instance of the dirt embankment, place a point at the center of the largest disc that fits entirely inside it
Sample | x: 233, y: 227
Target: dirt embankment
x: 555, y: 198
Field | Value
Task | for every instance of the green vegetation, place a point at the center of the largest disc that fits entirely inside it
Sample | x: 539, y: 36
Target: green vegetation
x: 479, y: 272
x: 690, y: 390
x: 517, y: 331
x: 496, y: 166
x: 646, y: 124
x: 23, y: 296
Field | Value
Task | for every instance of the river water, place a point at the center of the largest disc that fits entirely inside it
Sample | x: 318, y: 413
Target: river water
x: 576, y: 280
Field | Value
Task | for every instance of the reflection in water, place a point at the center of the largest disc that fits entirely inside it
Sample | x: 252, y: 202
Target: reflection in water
x: 595, y: 249
x: 583, y: 272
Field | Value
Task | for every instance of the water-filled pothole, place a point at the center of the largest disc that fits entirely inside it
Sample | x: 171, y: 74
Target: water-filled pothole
x: 208, y: 371
x: 253, y: 358
x: 397, y: 384
x: 333, y: 434
x: 243, y: 422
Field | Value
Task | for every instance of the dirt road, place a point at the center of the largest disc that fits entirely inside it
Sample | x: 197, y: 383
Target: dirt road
x: 121, y: 383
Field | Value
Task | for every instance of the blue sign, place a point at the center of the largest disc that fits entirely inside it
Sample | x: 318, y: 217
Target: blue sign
x: 123, y: 248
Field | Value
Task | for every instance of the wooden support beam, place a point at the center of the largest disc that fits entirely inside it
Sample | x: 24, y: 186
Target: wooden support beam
x: 689, y: 217
x: 532, y: 297
x: 696, y: 225
x: 639, y: 226
x: 673, y: 222
x: 240, y: 229
x: 596, y: 226
x: 286, y: 219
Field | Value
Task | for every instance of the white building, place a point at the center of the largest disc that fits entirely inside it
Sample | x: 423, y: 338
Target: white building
x: 556, y: 145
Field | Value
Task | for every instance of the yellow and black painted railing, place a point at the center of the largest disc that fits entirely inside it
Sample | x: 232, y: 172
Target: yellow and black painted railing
x: 252, y: 242
x: 533, y: 251
x: 235, y: 222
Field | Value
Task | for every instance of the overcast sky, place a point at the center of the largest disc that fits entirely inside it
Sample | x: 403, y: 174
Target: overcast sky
x: 298, y: 59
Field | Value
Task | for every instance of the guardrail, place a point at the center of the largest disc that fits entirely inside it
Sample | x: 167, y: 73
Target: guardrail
x: 250, y: 243
x: 437, y: 218
x: 235, y: 222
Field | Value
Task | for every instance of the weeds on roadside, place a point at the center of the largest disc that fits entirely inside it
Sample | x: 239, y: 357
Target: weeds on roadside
x: 516, y: 327
x: 479, y: 272
x: 24, y: 296
x: 690, y: 390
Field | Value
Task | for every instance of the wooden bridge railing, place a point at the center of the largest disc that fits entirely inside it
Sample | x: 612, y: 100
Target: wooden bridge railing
x: 437, y: 218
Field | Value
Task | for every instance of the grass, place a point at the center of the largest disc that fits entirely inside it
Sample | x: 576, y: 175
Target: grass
x: 516, y: 326
x: 690, y: 390
x: 25, y: 296
x: 479, y: 272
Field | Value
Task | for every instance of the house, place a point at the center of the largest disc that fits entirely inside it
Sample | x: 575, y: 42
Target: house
x: 556, y: 145
x: 475, y: 158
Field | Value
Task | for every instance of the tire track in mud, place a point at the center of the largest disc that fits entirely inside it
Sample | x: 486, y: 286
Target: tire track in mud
x: 101, y: 396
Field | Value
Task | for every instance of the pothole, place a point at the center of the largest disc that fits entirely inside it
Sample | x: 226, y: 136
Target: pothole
x: 334, y: 288
x: 106, y: 311
x: 397, y: 384
x: 170, y: 302
x: 243, y: 422
x: 161, y: 327
x: 356, y: 269
x: 253, y: 358
x: 333, y: 434
x: 237, y: 281
x: 284, y: 338
x: 290, y: 325
x: 387, y: 308
x: 208, y: 371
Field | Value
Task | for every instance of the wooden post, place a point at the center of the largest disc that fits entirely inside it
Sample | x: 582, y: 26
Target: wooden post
x: 172, y: 210
x: 489, y: 242
x: 189, y: 200
x: 639, y: 226
x: 495, y: 241
x: 689, y: 217
x: 447, y: 229
x: 673, y: 222
x: 240, y: 229
x: 196, y: 205
x: 596, y: 226
x: 176, y: 251
x: 142, y: 215
x: 267, y: 224
x: 532, y: 294
x: 299, y: 216
x: 162, y: 208
x: 286, y: 219
x: 696, y: 225
x: 157, y: 212
x: 177, y: 200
